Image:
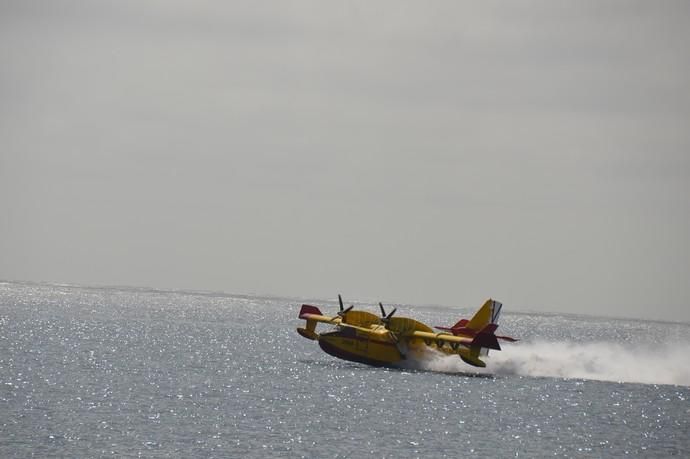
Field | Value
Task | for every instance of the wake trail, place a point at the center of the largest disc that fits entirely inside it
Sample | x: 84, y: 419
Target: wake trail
x: 667, y: 363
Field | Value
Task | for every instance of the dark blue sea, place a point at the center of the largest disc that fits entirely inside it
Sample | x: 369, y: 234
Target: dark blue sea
x: 123, y: 372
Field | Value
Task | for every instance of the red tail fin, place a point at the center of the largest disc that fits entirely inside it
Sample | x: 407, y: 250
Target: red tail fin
x: 486, y: 338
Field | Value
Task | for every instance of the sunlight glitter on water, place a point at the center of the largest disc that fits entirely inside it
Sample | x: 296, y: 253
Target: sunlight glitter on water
x: 117, y: 372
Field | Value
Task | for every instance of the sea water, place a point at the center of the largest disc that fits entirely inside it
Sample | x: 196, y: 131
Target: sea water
x: 93, y: 372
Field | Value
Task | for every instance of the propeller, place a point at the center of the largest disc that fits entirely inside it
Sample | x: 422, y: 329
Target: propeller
x: 342, y: 311
x: 386, y: 318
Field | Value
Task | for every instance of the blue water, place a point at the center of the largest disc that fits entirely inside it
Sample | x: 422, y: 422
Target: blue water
x: 91, y: 372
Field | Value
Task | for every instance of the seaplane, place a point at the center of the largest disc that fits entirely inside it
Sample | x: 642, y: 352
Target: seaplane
x: 364, y: 337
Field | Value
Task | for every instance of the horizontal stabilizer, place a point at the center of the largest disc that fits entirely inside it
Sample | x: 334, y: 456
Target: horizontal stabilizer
x: 507, y: 338
x: 461, y: 323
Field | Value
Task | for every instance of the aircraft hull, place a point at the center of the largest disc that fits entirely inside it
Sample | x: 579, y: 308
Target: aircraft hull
x: 363, y: 337
x: 360, y: 348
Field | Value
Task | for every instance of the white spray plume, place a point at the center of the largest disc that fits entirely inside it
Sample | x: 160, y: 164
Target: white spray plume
x: 602, y: 361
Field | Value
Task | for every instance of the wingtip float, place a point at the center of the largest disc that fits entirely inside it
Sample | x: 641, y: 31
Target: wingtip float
x: 361, y: 336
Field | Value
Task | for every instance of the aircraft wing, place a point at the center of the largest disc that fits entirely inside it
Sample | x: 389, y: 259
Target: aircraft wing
x: 485, y: 340
x: 441, y: 338
x: 468, y: 348
x: 313, y: 313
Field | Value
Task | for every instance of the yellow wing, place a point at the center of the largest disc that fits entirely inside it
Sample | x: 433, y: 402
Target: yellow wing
x: 354, y: 318
x: 416, y: 333
x: 313, y: 315
x: 467, y: 348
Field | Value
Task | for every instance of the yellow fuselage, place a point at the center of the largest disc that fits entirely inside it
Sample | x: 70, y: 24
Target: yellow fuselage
x: 370, y: 346
x: 363, y: 337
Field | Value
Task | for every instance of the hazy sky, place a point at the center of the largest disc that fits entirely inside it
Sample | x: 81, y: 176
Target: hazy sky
x: 414, y: 152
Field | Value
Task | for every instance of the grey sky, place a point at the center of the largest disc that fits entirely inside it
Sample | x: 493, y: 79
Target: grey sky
x: 416, y: 152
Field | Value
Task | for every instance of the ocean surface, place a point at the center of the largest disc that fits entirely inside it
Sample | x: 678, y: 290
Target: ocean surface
x: 100, y: 372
